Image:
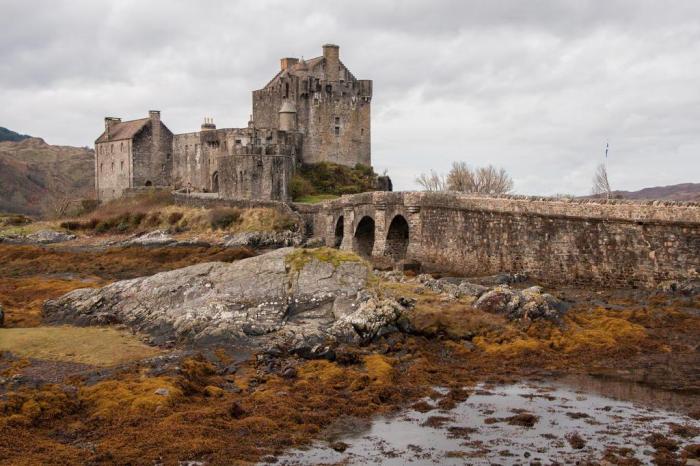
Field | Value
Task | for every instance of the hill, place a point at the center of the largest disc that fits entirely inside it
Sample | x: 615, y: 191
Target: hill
x: 9, y: 135
x: 34, y: 175
x: 676, y: 192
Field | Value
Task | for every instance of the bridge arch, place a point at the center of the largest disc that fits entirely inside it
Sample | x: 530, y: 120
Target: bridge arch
x: 397, y: 238
x: 339, y: 232
x: 363, y: 241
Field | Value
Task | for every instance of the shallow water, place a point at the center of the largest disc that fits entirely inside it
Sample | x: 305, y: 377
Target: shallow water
x: 475, y: 432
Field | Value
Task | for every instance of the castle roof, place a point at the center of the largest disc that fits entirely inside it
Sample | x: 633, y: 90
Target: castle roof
x: 123, y: 130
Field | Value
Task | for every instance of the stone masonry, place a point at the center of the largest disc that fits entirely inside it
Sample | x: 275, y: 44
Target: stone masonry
x: 311, y: 111
x: 610, y: 243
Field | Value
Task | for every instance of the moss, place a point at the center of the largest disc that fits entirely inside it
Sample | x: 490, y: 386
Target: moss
x: 330, y: 178
x: 297, y: 259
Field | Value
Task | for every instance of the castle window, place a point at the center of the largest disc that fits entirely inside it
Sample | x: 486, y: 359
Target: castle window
x: 337, y: 130
x: 121, y: 147
x: 329, y: 88
x: 121, y: 165
x: 286, y: 90
x: 362, y: 131
x: 101, y: 167
x: 337, y: 120
x: 112, y: 167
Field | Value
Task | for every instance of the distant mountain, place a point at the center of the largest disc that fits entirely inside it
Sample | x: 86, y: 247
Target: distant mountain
x: 675, y: 192
x: 9, y: 135
x: 33, y: 174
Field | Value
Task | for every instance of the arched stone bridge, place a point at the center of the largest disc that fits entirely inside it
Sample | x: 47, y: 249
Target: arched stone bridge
x: 615, y: 243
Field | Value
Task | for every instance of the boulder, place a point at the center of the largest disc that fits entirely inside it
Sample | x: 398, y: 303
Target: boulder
x: 152, y: 238
x: 49, y: 236
x: 264, y: 239
x: 529, y: 304
x: 214, y: 301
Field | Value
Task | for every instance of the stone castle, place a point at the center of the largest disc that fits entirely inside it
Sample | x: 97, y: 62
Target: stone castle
x: 311, y: 111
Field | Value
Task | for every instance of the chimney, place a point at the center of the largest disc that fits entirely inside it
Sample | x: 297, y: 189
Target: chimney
x: 109, y: 122
x: 287, y: 62
x: 154, y: 115
x: 331, y: 55
x: 208, y: 124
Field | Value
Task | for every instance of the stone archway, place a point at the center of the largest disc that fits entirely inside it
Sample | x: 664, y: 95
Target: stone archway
x: 397, y: 239
x: 215, y: 182
x: 339, y: 232
x: 363, y: 242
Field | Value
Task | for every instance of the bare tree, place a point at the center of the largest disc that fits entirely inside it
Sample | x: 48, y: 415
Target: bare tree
x: 601, y: 184
x: 486, y: 180
x: 432, y: 181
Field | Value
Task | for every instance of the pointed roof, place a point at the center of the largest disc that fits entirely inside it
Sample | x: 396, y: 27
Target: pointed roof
x: 123, y: 130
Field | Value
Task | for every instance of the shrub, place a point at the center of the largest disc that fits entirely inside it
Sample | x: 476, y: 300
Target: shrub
x: 175, y: 217
x: 223, y: 217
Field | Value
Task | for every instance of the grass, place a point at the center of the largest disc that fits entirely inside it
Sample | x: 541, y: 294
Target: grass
x: 316, y: 198
x: 99, y: 346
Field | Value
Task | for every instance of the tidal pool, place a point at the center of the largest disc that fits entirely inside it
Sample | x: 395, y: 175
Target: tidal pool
x: 563, y: 421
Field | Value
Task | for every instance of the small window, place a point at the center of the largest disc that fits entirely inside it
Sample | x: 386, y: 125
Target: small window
x: 102, y: 165
x: 112, y: 167
x: 337, y: 130
x: 121, y: 147
x: 121, y: 167
x: 337, y: 120
x: 362, y: 131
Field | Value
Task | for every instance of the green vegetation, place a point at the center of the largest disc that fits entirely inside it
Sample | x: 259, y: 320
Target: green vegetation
x: 326, y: 178
x: 316, y: 198
x: 100, y: 346
x: 297, y: 259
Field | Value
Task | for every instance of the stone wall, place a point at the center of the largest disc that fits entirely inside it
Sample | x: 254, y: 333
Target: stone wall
x: 113, y: 168
x: 264, y: 177
x: 614, y: 243
x: 152, y: 155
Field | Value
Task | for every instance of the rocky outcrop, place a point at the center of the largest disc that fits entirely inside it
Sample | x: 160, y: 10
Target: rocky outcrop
x: 279, y: 294
x: 264, y: 239
x: 530, y: 303
x: 39, y: 237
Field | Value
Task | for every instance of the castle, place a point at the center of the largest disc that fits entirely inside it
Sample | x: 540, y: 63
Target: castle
x: 312, y: 111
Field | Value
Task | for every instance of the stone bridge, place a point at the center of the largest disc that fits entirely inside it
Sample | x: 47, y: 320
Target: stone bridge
x: 563, y: 241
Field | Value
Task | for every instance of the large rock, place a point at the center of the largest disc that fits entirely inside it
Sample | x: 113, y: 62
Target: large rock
x: 530, y: 303
x: 152, y: 238
x: 264, y: 239
x: 213, y: 301
x: 39, y: 237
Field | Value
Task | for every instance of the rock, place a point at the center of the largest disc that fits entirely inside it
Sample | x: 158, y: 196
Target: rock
x: 218, y: 301
x: 686, y: 287
x: 2, y: 317
x: 375, y: 317
x: 339, y: 446
x: 530, y: 303
x: 40, y: 237
x: 152, y: 238
x: 162, y: 391
x: 409, y: 265
x: 455, y: 287
x: 314, y: 242
x: 264, y: 239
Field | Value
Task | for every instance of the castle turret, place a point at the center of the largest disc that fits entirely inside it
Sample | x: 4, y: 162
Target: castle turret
x: 331, y: 55
x: 288, y: 117
x: 287, y: 62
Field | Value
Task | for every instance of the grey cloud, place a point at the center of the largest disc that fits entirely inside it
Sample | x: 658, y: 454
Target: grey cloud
x: 536, y: 86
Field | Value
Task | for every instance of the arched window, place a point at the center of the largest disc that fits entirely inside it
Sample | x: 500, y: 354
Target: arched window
x: 121, y: 147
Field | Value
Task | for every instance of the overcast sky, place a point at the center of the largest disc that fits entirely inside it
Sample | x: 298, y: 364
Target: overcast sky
x: 537, y: 87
